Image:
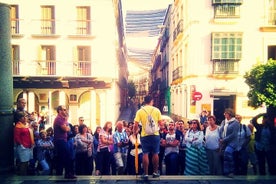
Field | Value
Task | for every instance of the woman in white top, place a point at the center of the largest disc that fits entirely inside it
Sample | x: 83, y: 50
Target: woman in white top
x: 212, y: 146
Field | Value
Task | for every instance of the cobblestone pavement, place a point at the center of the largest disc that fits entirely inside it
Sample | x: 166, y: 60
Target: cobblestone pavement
x: 134, y: 179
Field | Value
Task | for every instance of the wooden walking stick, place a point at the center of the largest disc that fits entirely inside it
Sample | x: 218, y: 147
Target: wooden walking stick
x: 136, y: 155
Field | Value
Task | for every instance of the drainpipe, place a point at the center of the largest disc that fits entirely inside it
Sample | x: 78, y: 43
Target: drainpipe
x: 6, y: 88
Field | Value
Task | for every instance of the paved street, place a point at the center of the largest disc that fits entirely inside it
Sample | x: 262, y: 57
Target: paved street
x: 133, y: 179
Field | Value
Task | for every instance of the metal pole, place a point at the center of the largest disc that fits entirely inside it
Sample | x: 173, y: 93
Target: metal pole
x: 6, y: 92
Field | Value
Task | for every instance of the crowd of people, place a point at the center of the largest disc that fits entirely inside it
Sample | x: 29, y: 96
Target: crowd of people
x: 146, y: 146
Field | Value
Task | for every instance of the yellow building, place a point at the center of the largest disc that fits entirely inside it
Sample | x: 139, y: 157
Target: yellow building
x: 69, y: 52
x: 212, y: 44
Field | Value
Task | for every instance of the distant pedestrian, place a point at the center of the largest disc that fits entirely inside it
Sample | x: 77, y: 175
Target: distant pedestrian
x: 171, y: 144
x: 104, y: 151
x: 45, y: 152
x: 263, y: 142
x: 229, y: 129
x: 84, y: 159
x: 251, y: 150
x: 24, y: 142
x: 95, y: 148
x: 241, y: 152
x: 196, y: 158
x: 134, y: 140
x: 212, y: 138
x: 61, y: 129
x: 120, y: 139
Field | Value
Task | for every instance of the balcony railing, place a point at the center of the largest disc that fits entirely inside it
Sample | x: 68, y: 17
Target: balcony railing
x: 47, y: 26
x: 44, y: 27
x: 51, y: 68
x: 227, y: 11
x: 82, y: 68
x: 15, y: 26
x: 227, y: 2
x: 46, y: 67
x: 225, y: 67
x: 177, y: 73
x: 272, y: 17
x: 16, y: 67
x: 164, y: 40
x: 80, y: 27
x: 179, y: 29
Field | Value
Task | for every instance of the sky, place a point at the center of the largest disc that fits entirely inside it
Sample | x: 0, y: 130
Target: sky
x: 145, y: 4
x: 142, y: 41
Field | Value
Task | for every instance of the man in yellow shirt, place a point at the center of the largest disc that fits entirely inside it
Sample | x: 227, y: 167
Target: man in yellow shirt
x: 150, y: 139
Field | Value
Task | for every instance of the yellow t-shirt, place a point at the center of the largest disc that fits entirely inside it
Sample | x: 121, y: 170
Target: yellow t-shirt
x: 142, y: 114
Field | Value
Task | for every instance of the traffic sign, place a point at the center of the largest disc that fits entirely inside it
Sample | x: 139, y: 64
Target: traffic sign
x: 197, y: 96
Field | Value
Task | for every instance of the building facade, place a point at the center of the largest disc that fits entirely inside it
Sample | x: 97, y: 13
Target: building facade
x: 211, y: 45
x: 69, y: 53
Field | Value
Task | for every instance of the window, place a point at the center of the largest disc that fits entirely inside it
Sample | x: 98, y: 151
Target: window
x: 73, y: 98
x: 47, y: 20
x: 16, y: 59
x: 226, y: 52
x: 83, y: 20
x: 14, y: 19
x: 227, y: 8
x: 84, y: 61
x: 226, y: 46
x: 272, y: 12
x: 48, y: 61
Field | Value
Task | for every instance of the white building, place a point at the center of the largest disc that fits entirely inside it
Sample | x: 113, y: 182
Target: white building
x: 67, y: 52
x: 212, y: 44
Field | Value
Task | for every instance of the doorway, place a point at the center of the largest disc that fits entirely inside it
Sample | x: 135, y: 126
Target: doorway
x: 220, y: 104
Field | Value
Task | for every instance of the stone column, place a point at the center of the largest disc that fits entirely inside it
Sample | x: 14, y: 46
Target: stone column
x: 6, y: 95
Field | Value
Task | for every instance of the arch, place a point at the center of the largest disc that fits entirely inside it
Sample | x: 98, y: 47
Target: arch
x: 84, y: 109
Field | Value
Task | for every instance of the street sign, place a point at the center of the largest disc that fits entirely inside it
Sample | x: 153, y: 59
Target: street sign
x: 197, y: 96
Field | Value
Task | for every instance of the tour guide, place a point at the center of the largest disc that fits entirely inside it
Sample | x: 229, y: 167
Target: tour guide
x: 150, y: 118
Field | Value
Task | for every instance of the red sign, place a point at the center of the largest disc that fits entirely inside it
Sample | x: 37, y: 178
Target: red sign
x: 197, y: 96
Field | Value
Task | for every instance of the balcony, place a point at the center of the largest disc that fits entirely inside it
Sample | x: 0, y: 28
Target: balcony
x: 79, y: 29
x: 269, y: 22
x: 16, y: 67
x: 164, y: 40
x: 227, y: 11
x: 51, y: 68
x: 178, y: 30
x: 225, y: 67
x: 46, y: 67
x: 227, y: 2
x: 178, y: 73
x: 44, y: 28
x: 82, y: 68
x: 15, y: 29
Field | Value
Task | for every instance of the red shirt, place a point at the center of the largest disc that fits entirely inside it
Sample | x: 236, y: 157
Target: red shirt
x: 22, y: 135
